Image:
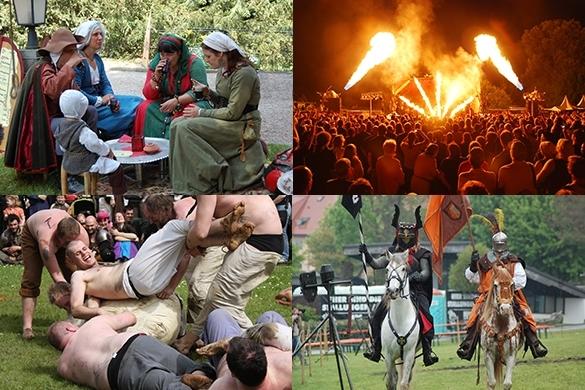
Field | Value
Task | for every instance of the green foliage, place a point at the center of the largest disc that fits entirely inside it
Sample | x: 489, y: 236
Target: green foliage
x: 542, y: 230
x: 263, y: 28
x: 493, y: 97
x: 555, y: 59
x: 457, y: 280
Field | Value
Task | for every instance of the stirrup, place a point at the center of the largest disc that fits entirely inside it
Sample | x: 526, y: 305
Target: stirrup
x: 538, y: 350
x: 371, y: 354
x: 463, y: 353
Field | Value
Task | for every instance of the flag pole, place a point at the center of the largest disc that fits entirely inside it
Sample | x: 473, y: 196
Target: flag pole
x: 365, y: 269
x: 469, y: 231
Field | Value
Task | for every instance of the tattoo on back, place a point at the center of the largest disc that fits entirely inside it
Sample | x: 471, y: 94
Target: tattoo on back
x: 48, y: 222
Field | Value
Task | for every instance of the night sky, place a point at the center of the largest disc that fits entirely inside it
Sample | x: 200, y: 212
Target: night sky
x: 331, y: 36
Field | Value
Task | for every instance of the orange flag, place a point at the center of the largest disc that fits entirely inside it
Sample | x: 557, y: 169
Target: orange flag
x: 446, y: 216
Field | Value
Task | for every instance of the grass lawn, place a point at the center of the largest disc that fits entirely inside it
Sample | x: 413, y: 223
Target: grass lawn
x: 562, y: 368
x: 32, y: 364
x: 38, y: 184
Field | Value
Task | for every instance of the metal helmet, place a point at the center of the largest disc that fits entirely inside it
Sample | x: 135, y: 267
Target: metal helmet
x: 500, y: 243
x: 406, y: 233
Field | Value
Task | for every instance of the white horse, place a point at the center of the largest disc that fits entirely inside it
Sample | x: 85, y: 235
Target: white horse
x: 501, y: 334
x: 400, y: 329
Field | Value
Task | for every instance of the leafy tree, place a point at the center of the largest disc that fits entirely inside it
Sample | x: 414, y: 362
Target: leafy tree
x: 493, y: 97
x: 262, y: 27
x: 555, y: 59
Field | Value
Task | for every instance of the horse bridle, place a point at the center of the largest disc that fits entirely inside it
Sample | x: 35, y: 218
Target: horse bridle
x: 401, y: 340
x: 393, y: 274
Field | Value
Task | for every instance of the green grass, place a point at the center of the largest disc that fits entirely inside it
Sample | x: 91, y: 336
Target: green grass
x: 562, y: 368
x: 27, y: 184
x: 32, y: 364
x: 274, y: 149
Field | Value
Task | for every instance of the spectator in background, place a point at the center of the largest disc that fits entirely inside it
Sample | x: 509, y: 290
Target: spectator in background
x: 60, y: 203
x: 342, y: 180
x: 361, y: 186
x: 10, y: 241
x: 577, y: 172
x: 13, y: 207
x: 554, y: 174
x: 426, y: 173
x: 518, y: 177
x: 303, y: 180
x: 125, y: 238
x: 474, y: 187
x: 450, y: 165
x: 478, y: 172
x: 37, y: 203
x: 357, y: 169
x: 389, y: 174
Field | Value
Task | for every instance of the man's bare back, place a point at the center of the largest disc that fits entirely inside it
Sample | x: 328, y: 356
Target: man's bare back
x: 43, y: 224
x: 260, y: 210
x: 86, y: 357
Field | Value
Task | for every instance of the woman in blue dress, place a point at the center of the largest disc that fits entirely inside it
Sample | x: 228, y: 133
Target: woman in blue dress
x: 115, y: 112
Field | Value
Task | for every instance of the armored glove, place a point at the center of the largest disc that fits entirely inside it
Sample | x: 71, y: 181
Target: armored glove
x: 474, y: 260
x: 364, y: 250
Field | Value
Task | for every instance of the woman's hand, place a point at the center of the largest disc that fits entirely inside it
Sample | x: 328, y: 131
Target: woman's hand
x: 191, y: 111
x: 160, y: 66
x: 170, y: 105
x: 197, y: 86
x: 106, y: 99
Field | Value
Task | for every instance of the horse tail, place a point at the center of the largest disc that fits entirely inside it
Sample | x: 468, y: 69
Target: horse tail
x: 498, y: 369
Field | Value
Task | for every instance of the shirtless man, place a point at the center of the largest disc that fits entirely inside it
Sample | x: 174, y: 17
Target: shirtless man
x: 249, y: 363
x: 244, y: 268
x: 157, y: 269
x: 96, y: 355
x: 44, y: 233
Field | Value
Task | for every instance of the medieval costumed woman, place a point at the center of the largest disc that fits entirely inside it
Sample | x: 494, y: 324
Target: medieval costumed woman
x: 31, y: 146
x: 115, y: 112
x: 168, y: 87
x: 216, y: 150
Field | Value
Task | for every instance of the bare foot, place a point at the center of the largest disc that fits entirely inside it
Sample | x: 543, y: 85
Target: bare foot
x: 185, y: 343
x: 27, y: 334
x: 236, y: 230
x: 213, y: 348
x: 196, y: 381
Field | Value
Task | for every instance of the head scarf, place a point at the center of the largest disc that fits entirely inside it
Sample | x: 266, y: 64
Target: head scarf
x: 220, y: 42
x: 73, y: 104
x: 86, y: 30
x: 178, y: 43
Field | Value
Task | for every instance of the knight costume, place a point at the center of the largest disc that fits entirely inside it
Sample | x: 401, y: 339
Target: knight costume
x: 421, y: 285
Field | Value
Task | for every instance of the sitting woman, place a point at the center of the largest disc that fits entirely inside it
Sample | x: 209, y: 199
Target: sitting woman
x: 115, y: 113
x: 168, y: 86
x: 125, y: 238
x: 217, y: 150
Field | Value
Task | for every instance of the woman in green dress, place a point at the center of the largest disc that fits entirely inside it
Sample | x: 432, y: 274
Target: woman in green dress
x: 167, y: 88
x: 217, y: 150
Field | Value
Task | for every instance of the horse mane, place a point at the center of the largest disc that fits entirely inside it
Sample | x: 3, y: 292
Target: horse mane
x: 500, y: 273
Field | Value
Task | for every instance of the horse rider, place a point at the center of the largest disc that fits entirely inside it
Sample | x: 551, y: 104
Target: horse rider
x: 480, y: 271
x: 421, y: 285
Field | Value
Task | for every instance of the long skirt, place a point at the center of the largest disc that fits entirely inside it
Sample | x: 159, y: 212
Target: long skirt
x: 114, y: 124
x: 206, y: 158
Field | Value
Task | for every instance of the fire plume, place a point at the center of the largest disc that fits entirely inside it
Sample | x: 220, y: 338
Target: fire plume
x: 487, y: 48
x: 382, y: 45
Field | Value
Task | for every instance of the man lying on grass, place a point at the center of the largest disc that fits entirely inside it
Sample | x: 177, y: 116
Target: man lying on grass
x: 157, y: 268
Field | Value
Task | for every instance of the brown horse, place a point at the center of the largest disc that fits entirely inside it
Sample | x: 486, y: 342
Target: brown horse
x: 501, y: 333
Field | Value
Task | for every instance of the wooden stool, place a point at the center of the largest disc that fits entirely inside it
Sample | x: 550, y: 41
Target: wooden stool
x: 89, y: 183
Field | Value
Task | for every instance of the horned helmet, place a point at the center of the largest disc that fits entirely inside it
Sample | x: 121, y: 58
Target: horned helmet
x: 406, y: 233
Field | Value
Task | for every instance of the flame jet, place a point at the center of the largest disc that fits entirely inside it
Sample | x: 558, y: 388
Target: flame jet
x: 382, y: 45
x: 487, y: 48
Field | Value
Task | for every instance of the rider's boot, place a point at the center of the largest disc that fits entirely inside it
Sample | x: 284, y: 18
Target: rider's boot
x: 467, y: 347
x: 536, y: 347
x: 374, y: 353
x: 429, y: 357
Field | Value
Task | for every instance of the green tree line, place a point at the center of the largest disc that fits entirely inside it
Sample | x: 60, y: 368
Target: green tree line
x: 262, y: 27
x: 546, y: 231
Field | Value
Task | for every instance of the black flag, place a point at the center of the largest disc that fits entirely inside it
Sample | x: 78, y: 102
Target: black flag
x: 352, y: 203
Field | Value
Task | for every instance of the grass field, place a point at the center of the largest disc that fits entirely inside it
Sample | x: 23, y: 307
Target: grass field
x: 32, y: 364
x: 562, y: 368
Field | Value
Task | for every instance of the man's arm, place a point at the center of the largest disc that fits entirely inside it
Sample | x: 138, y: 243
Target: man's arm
x: 202, y: 223
x: 471, y: 273
x: 176, y: 279
x: 379, y: 263
x: 519, y: 277
x: 118, y: 322
x: 78, y: 287
x: 50, y: 261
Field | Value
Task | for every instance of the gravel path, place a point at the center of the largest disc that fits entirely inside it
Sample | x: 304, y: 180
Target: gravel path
x: 127, y: 78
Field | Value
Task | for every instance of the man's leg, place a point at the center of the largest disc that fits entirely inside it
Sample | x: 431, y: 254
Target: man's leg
x: 220, y: 325
x: 426, y: 320
x: 374, y: 353
x: 270, y: 317
x: 525, y: 315
x: 31, y: 281
x: 205, y: 271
